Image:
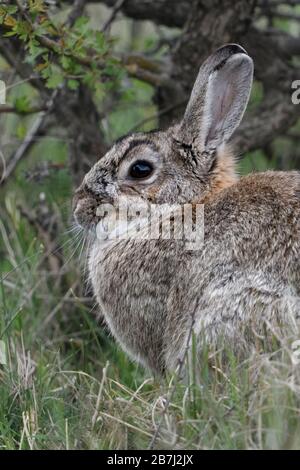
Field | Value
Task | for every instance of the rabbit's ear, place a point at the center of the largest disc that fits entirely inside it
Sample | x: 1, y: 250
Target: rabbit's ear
x: 219, y: 98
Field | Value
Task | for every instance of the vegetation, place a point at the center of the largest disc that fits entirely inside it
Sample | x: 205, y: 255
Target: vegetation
x: 78, y: 76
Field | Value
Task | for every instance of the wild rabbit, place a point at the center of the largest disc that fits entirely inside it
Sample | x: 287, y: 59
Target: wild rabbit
x: 152, y: 292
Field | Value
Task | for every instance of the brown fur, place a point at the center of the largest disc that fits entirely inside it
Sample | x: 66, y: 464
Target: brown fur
x: 246, y: 275
x: 224, y: 175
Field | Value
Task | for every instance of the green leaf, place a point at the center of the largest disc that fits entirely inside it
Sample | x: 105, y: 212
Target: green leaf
x: 23, y: 30
x: 66, y: 62
x: 9, y: 34
x: 44, y: 28
x: 37, y: 6
x: 21, y: 131
x: 99, y: 91
x: 100, y: 43
x: 54, y: 80
x: 73, y: 84
x: 11, y: 9
x: 89, y: 79
x: 22, y: 104
x: 80, y: 23
x: 35, y: 50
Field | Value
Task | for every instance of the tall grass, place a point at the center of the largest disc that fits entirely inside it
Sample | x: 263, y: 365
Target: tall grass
x: 64, y: 384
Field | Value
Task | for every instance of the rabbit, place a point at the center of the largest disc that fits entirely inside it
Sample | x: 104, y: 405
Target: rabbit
x: 154, y: 292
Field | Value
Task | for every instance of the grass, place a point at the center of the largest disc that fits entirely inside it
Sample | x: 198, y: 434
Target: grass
x: 66, y: 385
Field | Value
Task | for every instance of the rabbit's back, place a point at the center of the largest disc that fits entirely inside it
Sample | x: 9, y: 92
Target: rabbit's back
x: 250, y: 263
x: 248, y: 273
x: 257, y: 219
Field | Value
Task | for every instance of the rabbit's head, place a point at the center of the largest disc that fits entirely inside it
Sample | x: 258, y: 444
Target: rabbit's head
x: 187, y: 161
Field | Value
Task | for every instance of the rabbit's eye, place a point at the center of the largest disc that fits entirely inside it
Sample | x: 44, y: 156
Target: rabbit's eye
x: 140, y: 169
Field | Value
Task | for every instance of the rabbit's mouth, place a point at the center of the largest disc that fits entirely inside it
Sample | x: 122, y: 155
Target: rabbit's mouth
x: 85, y: 205
x: 85, y: 212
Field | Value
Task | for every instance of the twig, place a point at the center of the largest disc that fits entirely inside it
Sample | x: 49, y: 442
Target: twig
x: 29, y: 140
x: 274, y: 3
x: 292, y: 136
x: 76, y: 11
x: 135, y: 70
x: 289, y: 45
x: 145, y: 76
x: 43, y: 170
x: 54, y: 46
x: 58, y: 306
x: 118, y: 5
x: 13, y: 109
x: 99, y: 397
x: 52, y: 252
x: 3, y: 161
x: 285, y: 16
x: 160, y: 113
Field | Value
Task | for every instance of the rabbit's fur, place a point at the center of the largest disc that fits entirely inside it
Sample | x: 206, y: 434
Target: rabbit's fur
x: 245, y: 276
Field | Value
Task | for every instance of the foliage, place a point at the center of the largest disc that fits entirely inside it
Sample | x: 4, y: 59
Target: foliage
x: 66, y: 385
x: 61, y: 53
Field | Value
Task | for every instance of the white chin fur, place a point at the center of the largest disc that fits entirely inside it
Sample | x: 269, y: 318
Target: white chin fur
x: 109, y: 229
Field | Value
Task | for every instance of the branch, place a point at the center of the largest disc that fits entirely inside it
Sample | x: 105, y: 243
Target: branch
x: 286, y: 16
x: 148, y: 70
x: 274, y: 70
x: 13, y: 109
x: 75, y: 112
x: 117, y: 7
x: 272, y: 118
x: 275, y: 3
x: 53, y: 252
x: 141, y: 74
x: 230, y: 21
x: 140, y: 68
x: 54, y: 46
x: 76, y: 12
x: 287, y: 45
x: 171, y: 13
x: 37, y: 128
x: 13, y: 52
x: 157, y: 115
x: 206, y: 29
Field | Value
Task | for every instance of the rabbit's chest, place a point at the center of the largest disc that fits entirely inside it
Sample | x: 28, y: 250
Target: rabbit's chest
x: 131, y: 281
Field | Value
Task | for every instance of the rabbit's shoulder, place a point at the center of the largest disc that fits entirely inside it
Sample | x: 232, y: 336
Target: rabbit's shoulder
x: 256, y: 220
x: 258, y: 195
x: 285, y: 185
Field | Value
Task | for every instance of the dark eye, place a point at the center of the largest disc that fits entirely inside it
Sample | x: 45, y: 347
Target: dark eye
x: 140, y: 169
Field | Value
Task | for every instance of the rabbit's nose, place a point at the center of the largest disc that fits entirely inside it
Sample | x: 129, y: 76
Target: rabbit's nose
x: 85, y: 207
x: 83, y: 192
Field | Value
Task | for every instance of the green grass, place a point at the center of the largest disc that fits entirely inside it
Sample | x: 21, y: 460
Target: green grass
x: 66, y: 385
